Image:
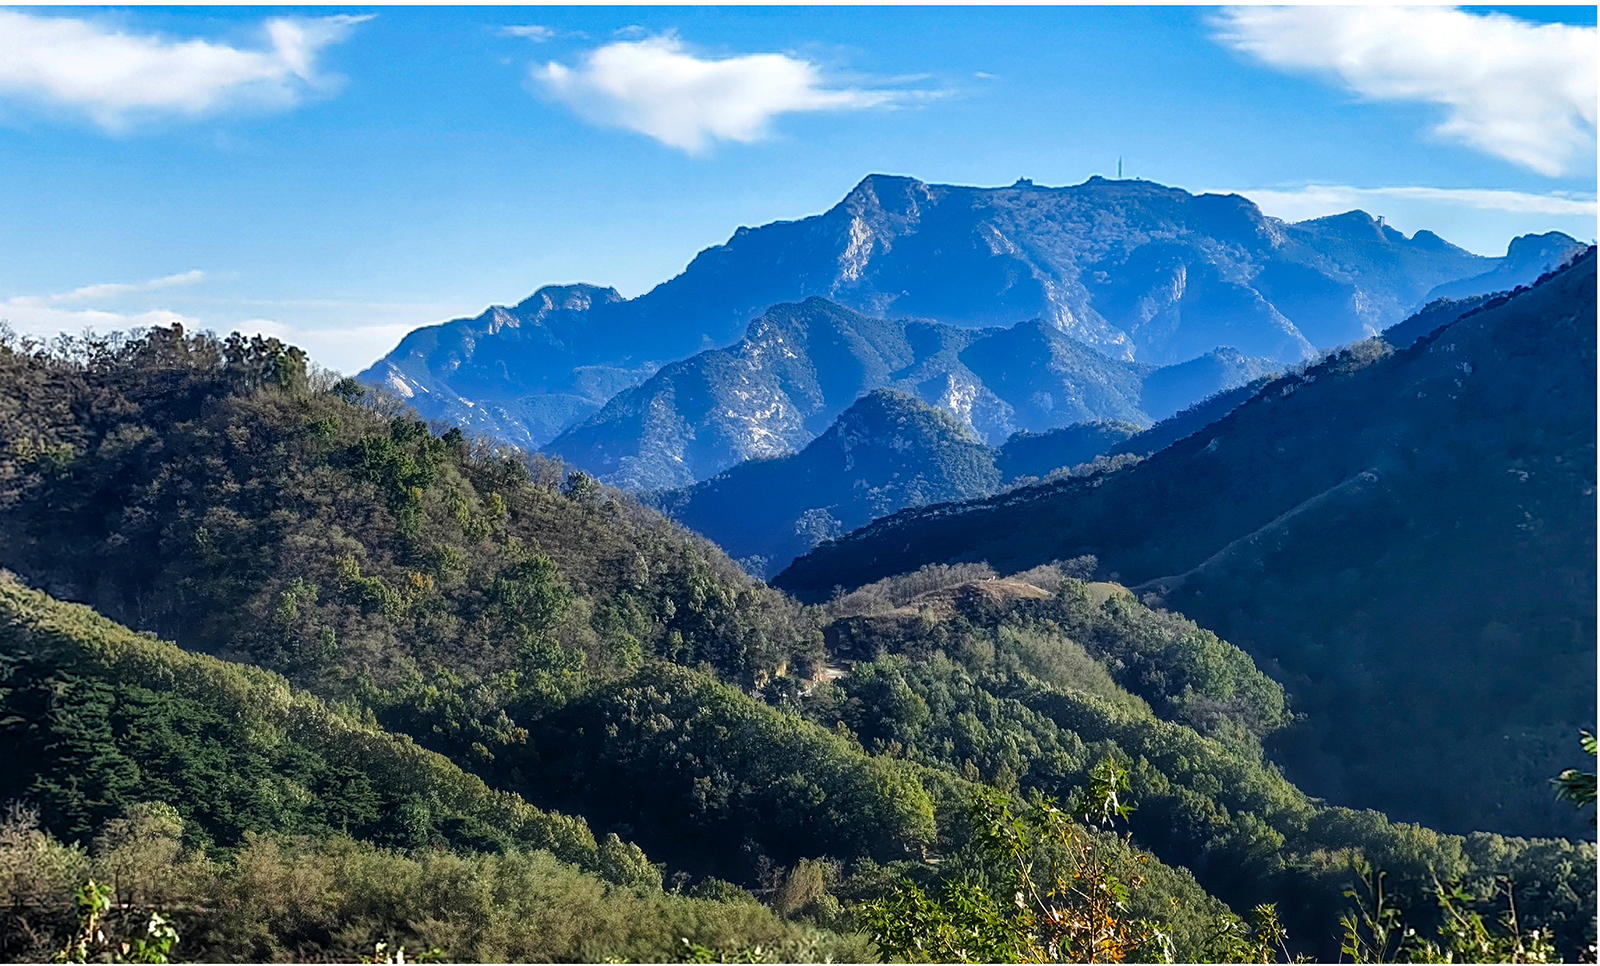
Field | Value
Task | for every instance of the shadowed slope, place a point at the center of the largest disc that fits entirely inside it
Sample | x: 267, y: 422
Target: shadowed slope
x: 1406, y: 538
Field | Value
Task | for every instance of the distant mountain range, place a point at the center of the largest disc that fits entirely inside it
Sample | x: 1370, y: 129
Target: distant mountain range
x: 1139, y: 271
x: 1405, y: 539
x: 800, y: 366
x: 886, y: 452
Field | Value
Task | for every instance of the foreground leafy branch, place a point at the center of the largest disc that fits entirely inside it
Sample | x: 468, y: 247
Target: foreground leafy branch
x: 1066, y: 902
x: 90, y: 942
x: 1578, y: 787
x: 1375, y: 932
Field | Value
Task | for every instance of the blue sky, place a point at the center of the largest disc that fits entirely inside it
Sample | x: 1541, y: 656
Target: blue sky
x: 338, y: 176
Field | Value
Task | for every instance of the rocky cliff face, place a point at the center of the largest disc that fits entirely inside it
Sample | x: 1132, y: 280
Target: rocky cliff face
x: 1138, y: 271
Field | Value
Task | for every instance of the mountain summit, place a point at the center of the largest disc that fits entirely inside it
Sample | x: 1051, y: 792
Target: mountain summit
x: 1140, y: 271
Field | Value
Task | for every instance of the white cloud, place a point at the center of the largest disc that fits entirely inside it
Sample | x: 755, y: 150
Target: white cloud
x: 118, y: 78
x: 657, y: 88
x: 104, y: 290
x: 341, y: 333
x: 531, y: 31
x: 1520, y: 91
x: 36, y: 316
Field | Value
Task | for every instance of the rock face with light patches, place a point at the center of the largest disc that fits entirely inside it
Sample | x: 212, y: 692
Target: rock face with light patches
x: 1135, y: 270
x: 801, y: 365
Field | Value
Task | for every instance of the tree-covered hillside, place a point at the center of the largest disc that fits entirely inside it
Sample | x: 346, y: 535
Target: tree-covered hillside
x: 267, y: 824
x: 484, y: 640
x: 210, y: 493
x: 1405, y: 538
x: 1026, y: 688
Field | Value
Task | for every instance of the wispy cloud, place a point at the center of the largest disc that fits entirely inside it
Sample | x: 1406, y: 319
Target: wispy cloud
x: 531, y: 31
x: 47, y: 315
x: 656, y: 87
x: 105, y: 290
x: 1520, y: 91
x: 1320, y: 199
x: 1480, y: 220
x: 118, y: 78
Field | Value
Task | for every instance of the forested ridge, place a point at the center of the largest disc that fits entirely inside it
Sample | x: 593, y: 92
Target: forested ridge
x: 1403, y: 535
x: 403, y: 659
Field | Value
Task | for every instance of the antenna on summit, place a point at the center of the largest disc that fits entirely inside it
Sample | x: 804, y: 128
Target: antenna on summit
x: 1119, y: 167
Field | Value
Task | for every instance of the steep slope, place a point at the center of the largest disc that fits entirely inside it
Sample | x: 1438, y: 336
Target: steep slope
x: 1134, y: 269
x: 1405, y: 538
x: 887, y: 451
x: 800, y: 365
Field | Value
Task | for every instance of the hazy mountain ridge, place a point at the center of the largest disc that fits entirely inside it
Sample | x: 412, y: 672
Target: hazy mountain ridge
x: 502, y: 373
x: 801, y: 365
x: 1311, y: 525
x: 1527, y: 258
x: 1135, y: 269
